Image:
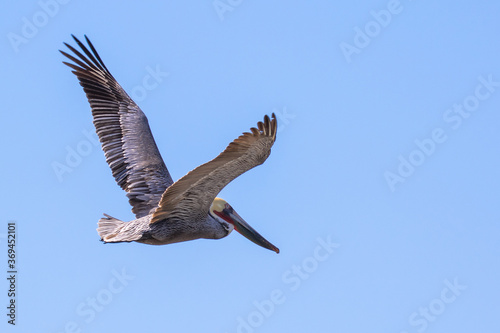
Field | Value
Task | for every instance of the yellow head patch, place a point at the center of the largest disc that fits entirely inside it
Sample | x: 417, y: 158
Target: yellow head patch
x: 218, y: 205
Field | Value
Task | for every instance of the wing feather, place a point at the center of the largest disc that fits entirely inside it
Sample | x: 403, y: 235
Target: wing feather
x: 191, y: 196
x: 123, y: 131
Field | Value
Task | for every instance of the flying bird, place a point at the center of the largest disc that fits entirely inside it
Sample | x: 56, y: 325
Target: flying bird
x: 166, y: 211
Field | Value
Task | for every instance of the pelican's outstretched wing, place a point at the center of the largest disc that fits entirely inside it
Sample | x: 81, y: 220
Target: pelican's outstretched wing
x: 123, y: 130
x: 191, y: 196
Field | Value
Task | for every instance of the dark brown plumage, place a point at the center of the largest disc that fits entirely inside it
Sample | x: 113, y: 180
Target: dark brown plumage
x: 123, y: 130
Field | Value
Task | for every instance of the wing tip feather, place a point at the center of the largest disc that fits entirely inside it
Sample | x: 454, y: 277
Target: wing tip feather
x: 269, y: 126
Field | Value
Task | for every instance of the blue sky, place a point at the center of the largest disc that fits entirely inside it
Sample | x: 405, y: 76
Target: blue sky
x: 381, y: 191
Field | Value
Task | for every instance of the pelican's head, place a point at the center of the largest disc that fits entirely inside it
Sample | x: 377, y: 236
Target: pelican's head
x: 227, y: 216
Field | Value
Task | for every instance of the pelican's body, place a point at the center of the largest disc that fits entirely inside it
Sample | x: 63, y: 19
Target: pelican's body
x: 166, y: 212
x: 169, y: 231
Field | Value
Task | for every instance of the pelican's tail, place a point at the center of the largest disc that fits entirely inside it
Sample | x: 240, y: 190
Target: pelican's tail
x: 113, y: 230
x: 109, y: 228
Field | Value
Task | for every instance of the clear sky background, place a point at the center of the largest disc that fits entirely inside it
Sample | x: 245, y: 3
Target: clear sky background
x: 382, y: 190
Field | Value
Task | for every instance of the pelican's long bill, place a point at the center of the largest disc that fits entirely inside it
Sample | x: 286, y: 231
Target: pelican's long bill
x: 246, y: 230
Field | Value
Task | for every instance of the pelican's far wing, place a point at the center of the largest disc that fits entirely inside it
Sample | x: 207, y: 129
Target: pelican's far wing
x: 191, y: 196
x: 123, y: 130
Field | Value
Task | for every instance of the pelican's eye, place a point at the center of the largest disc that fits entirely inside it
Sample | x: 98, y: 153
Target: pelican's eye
x: 227, y: 209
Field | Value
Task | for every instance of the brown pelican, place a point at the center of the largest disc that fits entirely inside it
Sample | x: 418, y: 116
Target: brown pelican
x: 166, y: 212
